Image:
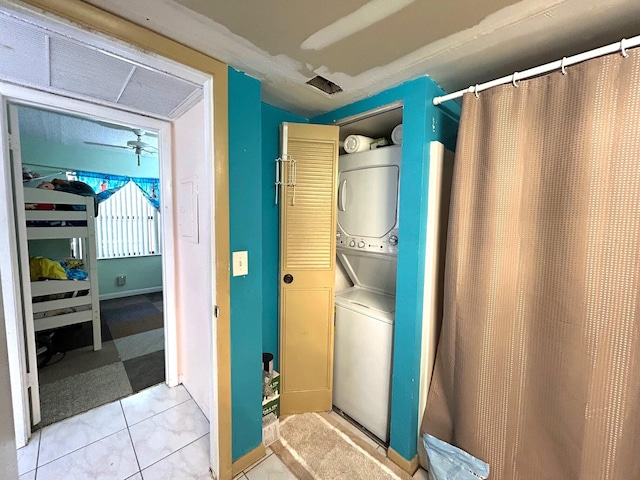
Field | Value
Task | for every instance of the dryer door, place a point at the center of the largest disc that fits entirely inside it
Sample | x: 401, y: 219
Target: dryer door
x: 368, y: 201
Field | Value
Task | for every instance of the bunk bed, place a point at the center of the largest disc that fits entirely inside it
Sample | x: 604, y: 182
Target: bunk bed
x: 52, y: 214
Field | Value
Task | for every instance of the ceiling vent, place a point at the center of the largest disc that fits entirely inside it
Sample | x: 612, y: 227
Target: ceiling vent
x: 327, y: 86
x: 47, y: 61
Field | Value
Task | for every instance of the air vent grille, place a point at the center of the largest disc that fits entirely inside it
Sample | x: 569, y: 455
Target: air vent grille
x: 148, y: 89
x: 45, y: 60
x: 324, y: 85
x: 79, y: 69
x: 23, y: 53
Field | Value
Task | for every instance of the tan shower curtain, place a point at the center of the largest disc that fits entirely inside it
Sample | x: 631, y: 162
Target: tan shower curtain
x: 538, y: 365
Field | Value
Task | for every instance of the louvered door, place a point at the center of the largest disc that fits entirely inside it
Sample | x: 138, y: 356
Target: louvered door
x: 307, y: 265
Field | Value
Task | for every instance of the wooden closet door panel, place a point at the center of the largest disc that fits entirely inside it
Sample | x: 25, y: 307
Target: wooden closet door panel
x: 307, y: 266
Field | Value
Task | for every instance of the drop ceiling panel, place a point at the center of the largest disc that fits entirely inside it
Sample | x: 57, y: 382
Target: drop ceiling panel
x: 23, y: 53
x: 49, y: 61
x: 82, y: 70
x: 156, y: 92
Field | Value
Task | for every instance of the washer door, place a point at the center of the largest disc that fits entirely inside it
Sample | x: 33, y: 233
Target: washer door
x: 368, y: 201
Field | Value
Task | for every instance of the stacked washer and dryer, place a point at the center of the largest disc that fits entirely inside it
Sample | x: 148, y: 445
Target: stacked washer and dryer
x: 367, y: 248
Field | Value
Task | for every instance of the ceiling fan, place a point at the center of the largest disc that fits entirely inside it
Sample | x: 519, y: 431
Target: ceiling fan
x: 137, y: 146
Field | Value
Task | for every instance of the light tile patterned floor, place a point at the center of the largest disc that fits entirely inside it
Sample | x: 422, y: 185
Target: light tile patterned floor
x: 157, y: 434
x: 147, y: 436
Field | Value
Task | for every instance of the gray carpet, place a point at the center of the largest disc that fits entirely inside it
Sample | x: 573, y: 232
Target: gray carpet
x: 82, y: 392
x: 78, y: 361
x: 131, y: 359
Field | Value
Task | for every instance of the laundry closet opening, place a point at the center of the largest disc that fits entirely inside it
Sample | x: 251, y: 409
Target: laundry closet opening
x: 368, y: 238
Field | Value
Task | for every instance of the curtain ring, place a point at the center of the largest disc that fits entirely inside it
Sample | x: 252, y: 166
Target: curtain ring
x: 562, y: 66
x: 475, y: 91
x: 513, y: 79
x: 623, y: 49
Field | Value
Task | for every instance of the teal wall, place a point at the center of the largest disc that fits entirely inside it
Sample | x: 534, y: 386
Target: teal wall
x: 422, y: 123
x: 145, y: 273
x: 78, y: 157
x: 272, y: 117
x: 141, y: 272
x: 245, y: 233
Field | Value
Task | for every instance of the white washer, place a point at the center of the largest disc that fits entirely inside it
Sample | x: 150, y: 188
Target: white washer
x: 363, y: 348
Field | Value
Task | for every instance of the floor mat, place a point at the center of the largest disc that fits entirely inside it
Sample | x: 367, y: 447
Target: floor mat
x: 314, y: 446
x: 80, y: 393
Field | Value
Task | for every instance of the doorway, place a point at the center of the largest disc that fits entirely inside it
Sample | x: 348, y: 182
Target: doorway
x: 27, y: 406
x: 117, y: 166
x: 83, y: 23
x: 17, y: 92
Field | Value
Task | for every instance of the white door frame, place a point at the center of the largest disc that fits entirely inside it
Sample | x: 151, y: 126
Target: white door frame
x: 113, y: 46
x: 26, y: 96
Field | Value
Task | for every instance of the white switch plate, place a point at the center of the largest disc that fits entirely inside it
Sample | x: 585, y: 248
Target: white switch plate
x: 240, y: 262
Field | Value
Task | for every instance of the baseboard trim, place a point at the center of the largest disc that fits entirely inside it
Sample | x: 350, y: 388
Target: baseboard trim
x: 130, y: 293
x: 409, y: 466
x: 247, y: 460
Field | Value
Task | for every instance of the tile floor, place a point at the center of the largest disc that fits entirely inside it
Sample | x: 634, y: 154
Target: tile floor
x: 156, y: 434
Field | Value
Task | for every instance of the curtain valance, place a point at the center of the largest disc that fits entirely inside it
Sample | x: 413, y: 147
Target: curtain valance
x: 105, y: 185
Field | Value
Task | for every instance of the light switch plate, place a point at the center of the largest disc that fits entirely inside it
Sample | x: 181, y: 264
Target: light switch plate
x: 240, y: 261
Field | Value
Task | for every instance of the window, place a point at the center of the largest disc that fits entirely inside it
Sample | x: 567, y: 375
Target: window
x: 127, y: 225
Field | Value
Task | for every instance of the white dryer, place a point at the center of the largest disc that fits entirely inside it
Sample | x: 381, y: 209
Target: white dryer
x: 368, y: 193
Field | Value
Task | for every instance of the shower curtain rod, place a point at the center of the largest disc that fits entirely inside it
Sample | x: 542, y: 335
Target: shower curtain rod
x: 620, y: 46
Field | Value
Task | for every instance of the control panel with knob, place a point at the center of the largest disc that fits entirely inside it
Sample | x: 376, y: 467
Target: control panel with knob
x: 386, y: 245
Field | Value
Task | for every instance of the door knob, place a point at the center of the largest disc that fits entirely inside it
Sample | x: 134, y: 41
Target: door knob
x: 288, y: 278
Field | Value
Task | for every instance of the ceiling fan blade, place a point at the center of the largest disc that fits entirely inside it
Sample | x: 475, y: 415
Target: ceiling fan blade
x: 150, y: 152
x: 151, y: 134
x: 107, y: 145
x: 139, y: 144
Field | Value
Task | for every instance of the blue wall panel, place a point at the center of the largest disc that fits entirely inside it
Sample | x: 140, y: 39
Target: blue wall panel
x: 272, y: 117
x: 245, y: 231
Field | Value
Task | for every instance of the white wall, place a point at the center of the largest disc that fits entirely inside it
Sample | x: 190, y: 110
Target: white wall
x: 8, y: 459
x: 192, y: 222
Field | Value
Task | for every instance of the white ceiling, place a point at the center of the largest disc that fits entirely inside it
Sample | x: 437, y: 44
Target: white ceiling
x: 369, y: 45
x: 54, y: 127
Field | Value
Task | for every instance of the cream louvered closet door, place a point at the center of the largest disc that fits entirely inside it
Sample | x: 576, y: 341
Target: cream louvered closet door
x: 308, y: 177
